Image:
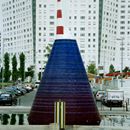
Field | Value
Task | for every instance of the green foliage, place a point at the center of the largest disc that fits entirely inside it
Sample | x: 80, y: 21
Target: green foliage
x: 126, y: 69
x: 92, y: 69
x: 39, y: 75
x: 1, y: 74
x: 47, y: 53
x: 111, y: 69
x: 30, y: 72
x: 48, y: 50
x: 13, y: 119
x: 7, y: 72
x: 5, y: 119
x: 22, y: 66
x: 14, y: 68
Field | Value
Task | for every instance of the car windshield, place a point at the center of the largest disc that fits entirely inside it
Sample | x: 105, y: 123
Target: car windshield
x: 4, y: 95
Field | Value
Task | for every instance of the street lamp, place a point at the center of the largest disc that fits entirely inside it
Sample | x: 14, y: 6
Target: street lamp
x: 121, y: 49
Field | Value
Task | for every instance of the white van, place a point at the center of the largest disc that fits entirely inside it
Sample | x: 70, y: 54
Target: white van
x: 113, y: 98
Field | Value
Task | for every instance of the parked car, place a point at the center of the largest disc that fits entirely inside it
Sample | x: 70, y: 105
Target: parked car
x: 7, y: 99
x: 99, y: 95
x: 13, y: 90
x: 37, y: 84
x: 28, y: 88
x: 22, y: 89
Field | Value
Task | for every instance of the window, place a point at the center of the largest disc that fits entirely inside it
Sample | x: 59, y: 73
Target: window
x: 51, y: 23
x: 122, y: 17
x: 82, y: 34
x: 75, y: 34
x: 51, y: 17
x: 82, y: 28
x: 82, y: 51
x: 40, y: 5
x: 51, y: 34
x: 39, y: 28
x: 122, y: 33
x: 82, y: 17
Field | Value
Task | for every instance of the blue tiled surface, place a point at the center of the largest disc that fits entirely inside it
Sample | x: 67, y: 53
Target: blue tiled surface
x: 65, y: 79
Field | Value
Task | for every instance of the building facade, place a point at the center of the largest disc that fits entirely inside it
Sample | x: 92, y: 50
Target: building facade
x: 18, y: 26
x: 82, y: 20
x: 29, y: 26
x: 123, y: 35
x: 108, y: 35
x: 115, y: 35
x: 0, y: 52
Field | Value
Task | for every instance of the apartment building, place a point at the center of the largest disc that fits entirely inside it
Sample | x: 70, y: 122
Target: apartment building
x: 0, y: 52
x: 28, y: 26
x: 18, y: 26
x: 108, y: 37
x: 123, y: 35
x: 115, y: 34
x: 82, y: 20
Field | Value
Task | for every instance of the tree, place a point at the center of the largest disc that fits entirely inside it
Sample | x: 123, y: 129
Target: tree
x: 111, y: 69
x: 7, y: 72
x: 30, y: 72
x: 1, y: 71
x: 22, y: 66
x: 92, y: 69
x: 126, y: 69
x: 48, y: 50
x: 47, y: 53
x: 14, y: 68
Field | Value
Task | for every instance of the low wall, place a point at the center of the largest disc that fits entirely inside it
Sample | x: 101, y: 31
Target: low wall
x: 52, y: 127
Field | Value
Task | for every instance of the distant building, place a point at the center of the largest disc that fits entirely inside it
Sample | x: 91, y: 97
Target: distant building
x: 115, y: 25
x: 0, y: 53
x: 81, y: 18
x: 109, y: 16
x: 123, y: 31
x: 18, y: 34
x: 29, y: 26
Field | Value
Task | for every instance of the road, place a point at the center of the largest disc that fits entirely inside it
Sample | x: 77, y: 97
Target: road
x: 27, y: 99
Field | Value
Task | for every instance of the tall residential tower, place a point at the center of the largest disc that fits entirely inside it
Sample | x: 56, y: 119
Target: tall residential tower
x: 81, y: 17
x: 18, y: 35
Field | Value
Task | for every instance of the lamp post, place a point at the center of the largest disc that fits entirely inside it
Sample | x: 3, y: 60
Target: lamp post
x: 121, y: 49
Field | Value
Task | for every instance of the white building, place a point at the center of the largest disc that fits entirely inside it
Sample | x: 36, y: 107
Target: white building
x: 115, y: 26
x: 109, y: 34
x: 123, y: 31
x: 30, y: 25
x: 0, y: 53
x: 18, y: 29
x: 81, y: 17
